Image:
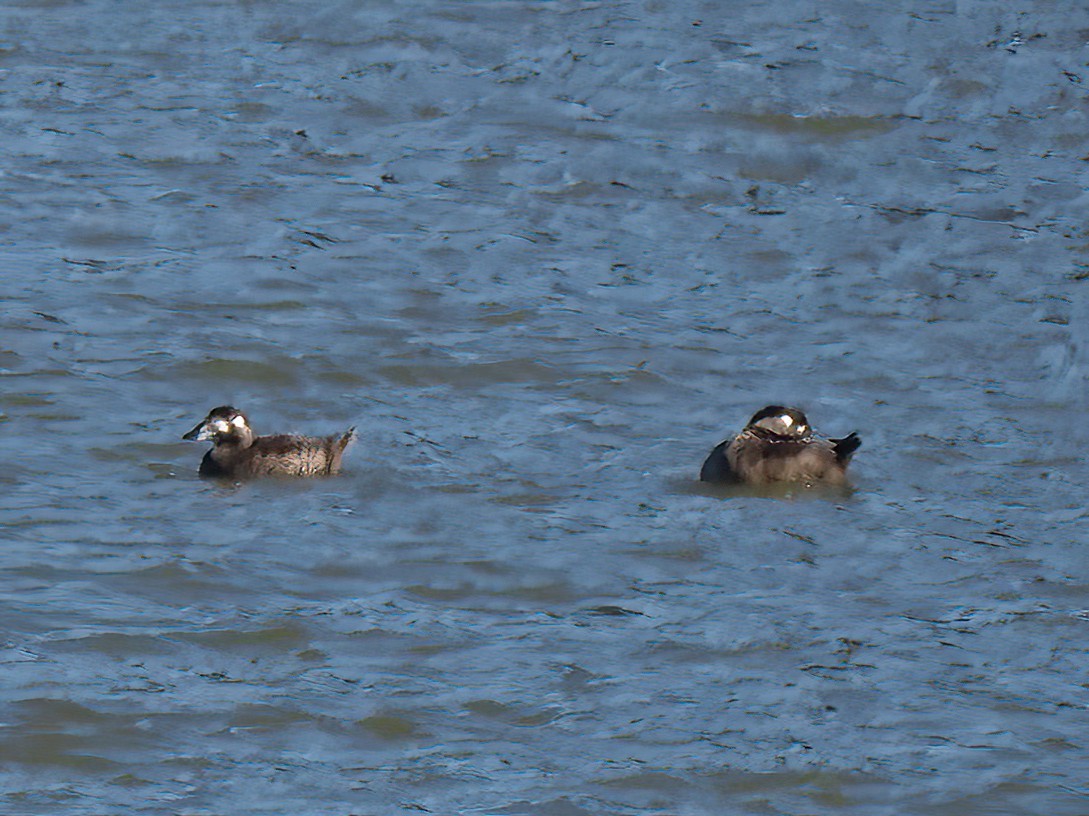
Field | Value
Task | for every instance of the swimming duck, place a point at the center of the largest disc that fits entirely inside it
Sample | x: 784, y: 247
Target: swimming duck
x: 238, y: 454
x: 778, y: 446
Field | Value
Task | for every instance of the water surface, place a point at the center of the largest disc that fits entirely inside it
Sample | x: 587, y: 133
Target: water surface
x: 544, y: 255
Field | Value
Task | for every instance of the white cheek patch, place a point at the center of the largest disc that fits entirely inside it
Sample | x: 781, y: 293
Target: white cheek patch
x: 220, y: 426
x: 239, y: 422
x: 786, y: 420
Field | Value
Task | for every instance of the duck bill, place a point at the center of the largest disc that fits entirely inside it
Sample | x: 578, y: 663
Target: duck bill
x: 200, y: 433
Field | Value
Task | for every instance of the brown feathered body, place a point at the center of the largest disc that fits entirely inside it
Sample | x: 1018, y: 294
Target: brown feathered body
x: 778, y: 446
x: 238, y: 454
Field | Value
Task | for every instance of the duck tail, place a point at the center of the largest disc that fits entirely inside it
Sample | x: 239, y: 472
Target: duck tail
x: 337, y: 444
x: 346, y: 439
x: 845, y: 448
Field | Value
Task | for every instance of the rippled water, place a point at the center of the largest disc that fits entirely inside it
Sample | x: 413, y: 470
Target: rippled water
x: 544, y: 255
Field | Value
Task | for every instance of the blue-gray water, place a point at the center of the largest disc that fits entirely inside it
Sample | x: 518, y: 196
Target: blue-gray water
x: 544, y: 255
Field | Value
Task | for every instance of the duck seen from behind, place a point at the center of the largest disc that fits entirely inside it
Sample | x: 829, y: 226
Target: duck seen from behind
x: 778, y: 446
x: 238, y: 454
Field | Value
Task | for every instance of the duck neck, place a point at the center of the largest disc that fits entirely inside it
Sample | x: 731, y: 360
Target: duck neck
x: 238, y: 439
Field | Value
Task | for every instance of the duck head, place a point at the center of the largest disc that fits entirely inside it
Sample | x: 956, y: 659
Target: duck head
x: 223, y: 426
x: 786, y: 422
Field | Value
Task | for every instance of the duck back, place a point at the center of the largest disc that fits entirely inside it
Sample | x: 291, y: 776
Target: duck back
x: 759, y: 461
x: 279, y: 455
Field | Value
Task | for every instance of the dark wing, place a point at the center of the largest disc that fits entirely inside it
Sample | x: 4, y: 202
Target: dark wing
x: 278, y: 445
x: 287, y: 455
x: 716, y: 468
x: 298, y: 455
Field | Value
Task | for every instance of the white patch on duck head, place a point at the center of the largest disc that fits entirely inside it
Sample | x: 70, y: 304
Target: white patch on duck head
x: 222, y: 427
x: 785, y: 425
